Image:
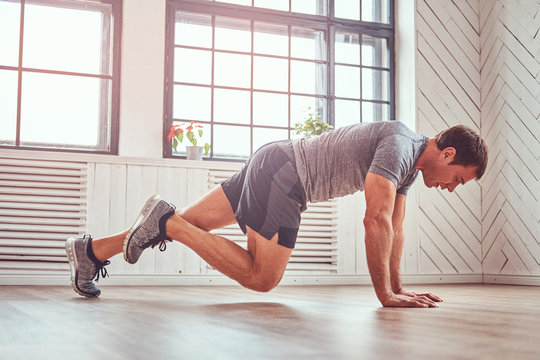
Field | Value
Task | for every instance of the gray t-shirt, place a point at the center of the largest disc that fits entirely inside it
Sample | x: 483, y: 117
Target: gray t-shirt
x: 336, y: 163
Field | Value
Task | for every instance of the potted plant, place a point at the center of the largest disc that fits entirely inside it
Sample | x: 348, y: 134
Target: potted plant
x: 312, y: 125
x: 193, y: 132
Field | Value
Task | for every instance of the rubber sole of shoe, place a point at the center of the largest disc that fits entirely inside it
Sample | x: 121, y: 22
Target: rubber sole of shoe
x: 143, y: 215
x: 73, y: 265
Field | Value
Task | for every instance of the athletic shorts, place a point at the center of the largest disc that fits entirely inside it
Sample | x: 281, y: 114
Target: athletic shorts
x: 267, y: 195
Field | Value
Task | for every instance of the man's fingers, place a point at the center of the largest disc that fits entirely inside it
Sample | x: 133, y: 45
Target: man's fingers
x: 432, y: 297
x: 425, y: 301
x: 428, y: 295
x: 401, y: 300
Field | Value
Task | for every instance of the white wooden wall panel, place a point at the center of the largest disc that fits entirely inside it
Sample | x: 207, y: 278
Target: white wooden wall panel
x: 117, y: 194
x: 510, y: 115
x: 448, y: 78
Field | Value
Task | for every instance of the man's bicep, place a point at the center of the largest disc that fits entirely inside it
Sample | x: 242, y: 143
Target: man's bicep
x: 380, y: 195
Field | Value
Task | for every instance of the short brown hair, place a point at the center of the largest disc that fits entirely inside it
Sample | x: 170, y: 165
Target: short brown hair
x: 471, y: 149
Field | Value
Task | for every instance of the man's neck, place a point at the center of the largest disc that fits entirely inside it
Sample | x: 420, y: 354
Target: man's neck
x: 430, y: 152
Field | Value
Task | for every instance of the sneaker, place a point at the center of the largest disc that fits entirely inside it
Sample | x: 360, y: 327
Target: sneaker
x: 85, y: 267
x: 149, y: 229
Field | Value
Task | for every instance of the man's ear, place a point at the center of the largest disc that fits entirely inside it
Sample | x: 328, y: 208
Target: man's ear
x: 448, y: 154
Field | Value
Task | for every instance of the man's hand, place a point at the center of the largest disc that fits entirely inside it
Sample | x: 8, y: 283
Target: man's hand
x: 411, y: 299
x: 413, y: 294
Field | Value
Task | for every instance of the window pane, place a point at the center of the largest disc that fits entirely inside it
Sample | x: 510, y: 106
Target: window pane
x: 206, y: 138
x: 231, y: 141
x: 348, y: 48
x: 9, y: 33
x: 193, y: 30
x: 312, y: 7
x: 270, y: 109
x: 270, y: 73
x: 232, y: 106
x: 347, y: 9
x: 375, y: 52
x: 273, y: 4
x: 307, y: 77
x: 347, y: 112
x: 232, y: 70
x: 191, y: 103
x: 375, y: 11
x: 233, y: 34
x: 301, y: 106
x: 60, y: 109
x: 8, y: 105
x: 308, y: 44
x: 375, y: 112
x: 375, y: 85
x: 347, y: 81
x: 193, y: 66
x: 264, y: 136
x: 271, y: 39
x: 63, y: 39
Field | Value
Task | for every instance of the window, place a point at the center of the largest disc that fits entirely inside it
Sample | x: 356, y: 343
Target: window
x: 248, y: 70
x: 59, y: 68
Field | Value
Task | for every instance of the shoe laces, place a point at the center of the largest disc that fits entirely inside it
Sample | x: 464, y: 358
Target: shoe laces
x: 101, y: 270
x: 162, y: 243
x: 161, y: 238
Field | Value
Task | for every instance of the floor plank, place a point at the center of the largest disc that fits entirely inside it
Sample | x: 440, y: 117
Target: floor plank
x: 228, y: 322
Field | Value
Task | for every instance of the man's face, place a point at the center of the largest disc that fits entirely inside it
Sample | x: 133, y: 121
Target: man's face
x: 442, y: 174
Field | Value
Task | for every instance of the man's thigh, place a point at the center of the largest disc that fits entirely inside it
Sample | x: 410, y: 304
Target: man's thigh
x: 212, y: 211
x: 269, y: 258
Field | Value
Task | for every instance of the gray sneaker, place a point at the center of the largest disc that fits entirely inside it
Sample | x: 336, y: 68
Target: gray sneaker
x: 85, y: 267
x: 149, y: 229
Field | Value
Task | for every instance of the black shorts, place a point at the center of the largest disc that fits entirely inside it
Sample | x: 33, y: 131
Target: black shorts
x: 267, y: 195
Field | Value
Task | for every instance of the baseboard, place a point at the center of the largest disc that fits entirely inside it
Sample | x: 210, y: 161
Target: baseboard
x: 512, y: 279
x: 205, y: 280
x: 443, y: 279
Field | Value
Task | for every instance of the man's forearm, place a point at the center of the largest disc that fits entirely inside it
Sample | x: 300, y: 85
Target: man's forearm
x: 378, y: 249
x: 395, y: 260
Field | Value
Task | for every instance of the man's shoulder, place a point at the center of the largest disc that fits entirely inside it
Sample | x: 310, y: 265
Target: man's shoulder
x: 396, y: 128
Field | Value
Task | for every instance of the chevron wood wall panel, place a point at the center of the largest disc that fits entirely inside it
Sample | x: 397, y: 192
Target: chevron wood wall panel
x: 510, y: 119
x: 448, y: 94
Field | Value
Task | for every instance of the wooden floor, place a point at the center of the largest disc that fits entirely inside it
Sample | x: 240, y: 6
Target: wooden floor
x: 310, y: 322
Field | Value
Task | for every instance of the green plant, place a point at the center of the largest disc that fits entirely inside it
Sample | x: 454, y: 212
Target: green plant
x: 312, y: 125
x: 192, y: 132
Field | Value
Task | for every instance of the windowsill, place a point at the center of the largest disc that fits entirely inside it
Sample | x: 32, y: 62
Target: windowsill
x: 114, y: 159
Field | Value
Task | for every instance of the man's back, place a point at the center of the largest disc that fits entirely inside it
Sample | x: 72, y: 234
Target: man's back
x: 336, y: 163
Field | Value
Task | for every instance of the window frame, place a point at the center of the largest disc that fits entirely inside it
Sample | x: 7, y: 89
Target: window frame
x: 107, y: 134
x: 329, y: 24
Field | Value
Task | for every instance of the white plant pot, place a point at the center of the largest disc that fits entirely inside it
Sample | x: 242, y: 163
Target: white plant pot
x: 194, y: 152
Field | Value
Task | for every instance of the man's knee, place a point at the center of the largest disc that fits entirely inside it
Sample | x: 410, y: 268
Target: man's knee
x: 262, y: 282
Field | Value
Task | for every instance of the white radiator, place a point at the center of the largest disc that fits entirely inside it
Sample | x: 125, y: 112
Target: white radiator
x: 316, y: 246
x: 42, y: 202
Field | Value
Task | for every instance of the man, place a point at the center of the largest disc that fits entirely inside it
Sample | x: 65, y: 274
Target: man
x: 267, y: 197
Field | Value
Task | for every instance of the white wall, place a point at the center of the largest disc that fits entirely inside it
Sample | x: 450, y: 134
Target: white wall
x: 510, y: 114
x: 142, y: 78
x: 406, y: 112
x: 457, y: 62
x: 478, y: 64
x: 448, y: 94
